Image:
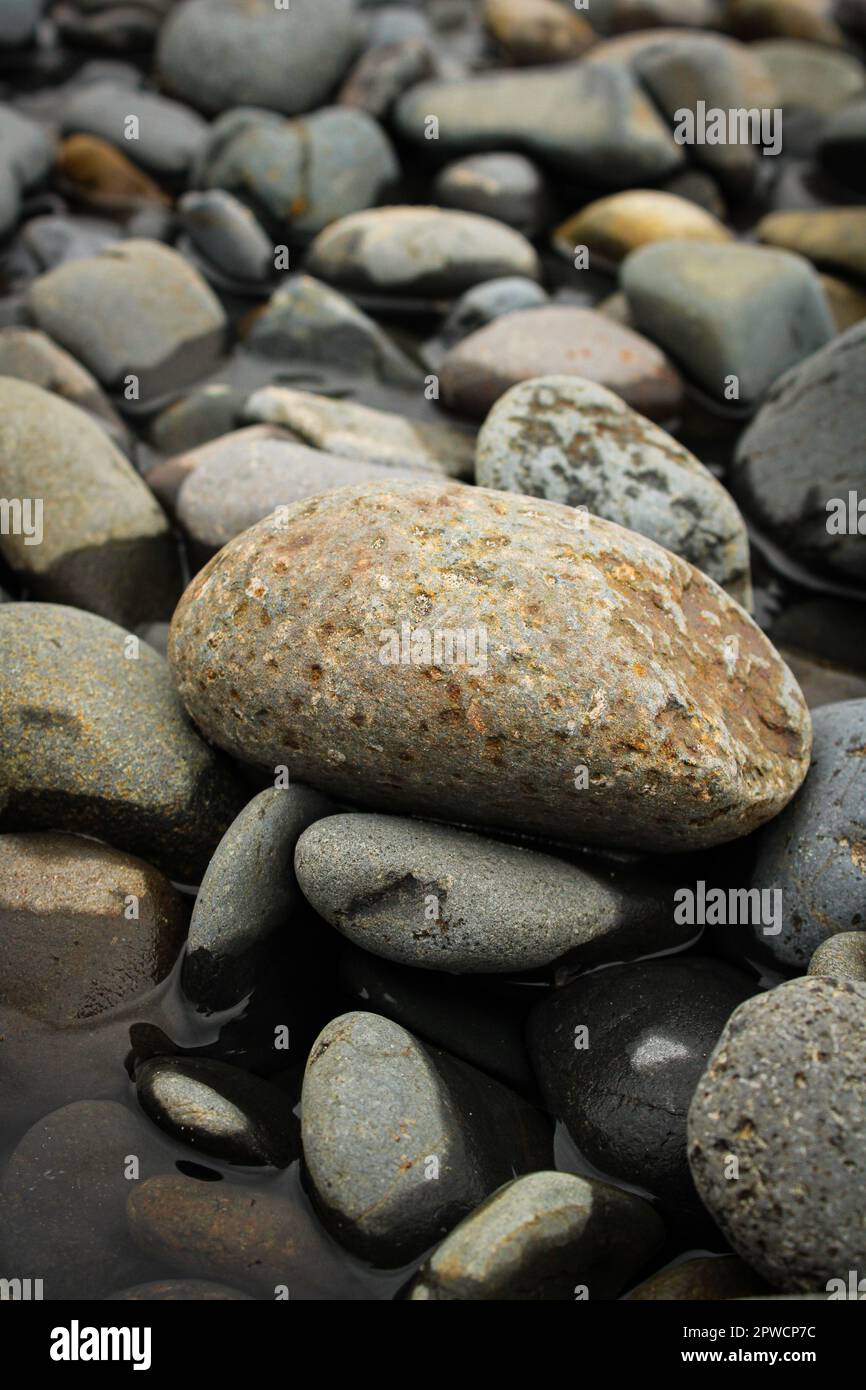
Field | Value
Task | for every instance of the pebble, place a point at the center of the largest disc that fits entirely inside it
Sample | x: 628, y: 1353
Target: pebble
x: 93, y: 742
x: 847, y: 304
x: 203, y: 414
x: 618, y: 1054
x: 103, y: 542
x: 483, y: 303
x: 31, y: 356
x: 794, y: 19
x: 437, y: 898
x: 96, y: 174
x: 25, y: 149
x: 834, y: 237
x: 369, y: 1083
x: 248, y: 893
x: 555, y: 340
x: 726, y: 311
x: 809, y: 76
x: 689, y: 728
x: 179, y: 1291
x: 541, y: 1238
x: 166, y: 139
x: 843, y: 143
x: 784, y: 1098
x: 167, y: 477
x: 842, y: 956
x: 577, y: 443
x: 10, y: 201
x: 227, y: 234
x: 708, y: 1277
x: 381, y: 75
x: 507, y: 187
x: 538, y: 31
x: 137, y: 310
x: 610, y: 228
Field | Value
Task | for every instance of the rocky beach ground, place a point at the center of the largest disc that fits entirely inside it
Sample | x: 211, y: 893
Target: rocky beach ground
x: 433, y: 650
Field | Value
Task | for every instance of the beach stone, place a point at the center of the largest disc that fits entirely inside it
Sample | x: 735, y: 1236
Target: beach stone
x: 226, y: 233
x: 69, y: 951
x: 48, y: 241
x: 843, y: 956
x: 29, y: 355
x: 382, y: 74
x: 507, y: 187
x: 538, y: 31
x: 239, y: 446
x: 538, y: 1239
x: 809, y: 76
x: 103, y: 178
x: 217, y: 54
x: 575, y: 442
x: 815, y: 853
x: 223, y: 1112
x: 136, y: 309
x: 624, y: 1093
x: 166, y: 141
x: 418, y: 250
x: 103, y: 542
x: 834, y: 237
x: 842, y: 145
x: 608, y: 652
x: 247, y: 894
x: 368, y: 1083
x: 706, y: 1277
x: 558, y: 340
x: 795, y: 19
x: 300, y: 174
x: 590, y: 121
x: 93, y: 742
x: 613, y: 227
x: 784, y: 1095
x: 491, y: 300
x: 25, y: 149
x: 846, y: 302
x: 803, y: 450
x: 179, y: 1291
x: 351, y: 431
x: 443, y: 899
x: 203, y: 414
x: 18, y: 21
x: 727, y: 310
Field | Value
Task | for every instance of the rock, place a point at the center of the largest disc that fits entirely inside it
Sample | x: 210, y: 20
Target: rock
x: 793, y: 19
x: 48, y: 241
x: 575, y: 442
x: 803, y: 453
x: 538, y: 31
x: 10, y: 202
x: 815, y: 853
x: 118, y: 26
x: 63, y: 1199
x: 613, y: 227
x: 558, y: 340
x: 217, y: 54
x: 166, y: 139
x: 352, y: 431
x: 688, y: 727
x: 69, y: 948
x: 650, y: 14
x: 137, y: 309
x: 709, y: 1277
x: 809, y: 76
x: 248, y: 893
x: 591, y: 122
x: 846, y: 303
x: 177, y: 1291
x: 782, y: 1104
x: 442, y: 899
x: 227, y: 234
x: 507, y: 187
x: 368, y: 1083
x: 699, y: 187
x: 101, y: 177
x: 727, y: 311
x: 204, y: 414
x: 842, y: 144
x: 618, y: 1054
x: 834, y: 237
x: 29, y: 355
x: 491, y: 300
x: 301, y: 174
x: 842, y: 956
x: 93, y: 742
x: 96, y: 538
x: 238, y: 447
x: 381, y: 75
x: 25, y: 149
x: 418, y: 251
x: 219, y: 1110
x: 18, y: 21
x: 540, y: 1238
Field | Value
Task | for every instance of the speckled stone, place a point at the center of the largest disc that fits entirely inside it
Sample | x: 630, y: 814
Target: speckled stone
x: 443, y: 899
x: 104, y: 542
x: 169, y: 135
x: 834, y: 238
x: 227, y: 234
x: 842, y: 956
x: 575, y: 442
x: 603, y: 650
x: 179, y: 1291
x: 248, y: 892
x: 459, y: 1135
x: 96, y: 742
x: 509, y: 187
x: 613, y: 227
x: 704, y: 1278
x: 540, y: 1238
x: 784, y: 1095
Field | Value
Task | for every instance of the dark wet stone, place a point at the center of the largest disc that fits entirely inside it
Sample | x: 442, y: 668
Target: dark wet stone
x: 716, y: 1277
x: 843, y: 144
x: 509, y: 187
x: 483, y: 303
x: 10, y: 201
x: 204, y: 414
x: 168, y: 136
x: 831, y: 630
x: 777, y: 1132
x: 843, y: 956
x: 179, y: 1291
x: 227, y: 234
x: 127, y: 26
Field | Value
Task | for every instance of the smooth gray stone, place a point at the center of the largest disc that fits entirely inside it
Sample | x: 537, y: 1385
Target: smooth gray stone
x: 401, y: 1141
x: 508, y: 187
x: 443, y: 899
x: 248, y: 893
x: 483, y: 303
x: 204, y: 414
x: 539, y: 1239
x: 842, y: 956
x: 782, y: 1105
x: 227, y: 234
x: 169, y: 136
x: 18, y: 21
x: 25, y: 149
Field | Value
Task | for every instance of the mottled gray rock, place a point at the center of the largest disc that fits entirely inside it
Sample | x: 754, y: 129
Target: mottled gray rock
x: 803, y: 455
x: 165, y: 141
x: 443, y: 899
x: 221, y: 1111
x: 508, y: 187
x: 29, y: 355
x: 842, y: 956
x: 401, y: 1141
x: 782, y: 1105
x: 726, y: 311
x: 94, y: 535
x: 618, y: 1054
x: 227, y: 234
x: 483, y: 303
x: 540, y: 1238
x: 573, y: 441
x: 418, y: 250
x: 248, y: 892
x: 136, y: 309
x: 96, y: 742
x: 601, y: 651
x: 217, y: 54
x: 810, y: 76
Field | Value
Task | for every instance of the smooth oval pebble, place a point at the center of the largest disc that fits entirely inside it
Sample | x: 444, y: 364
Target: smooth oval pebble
x: 601, y: 652
x: 610, y: 228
